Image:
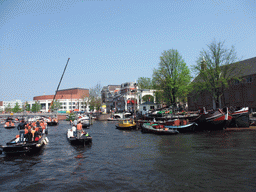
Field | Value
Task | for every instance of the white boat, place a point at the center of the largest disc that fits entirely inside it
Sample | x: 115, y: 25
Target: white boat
x: 85, y: 121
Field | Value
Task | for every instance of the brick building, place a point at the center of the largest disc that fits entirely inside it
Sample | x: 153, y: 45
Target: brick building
x: 70, y: 99
x: 238, y: 94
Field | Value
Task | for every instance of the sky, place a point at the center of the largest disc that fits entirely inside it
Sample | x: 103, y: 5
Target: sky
x: 110, y: 42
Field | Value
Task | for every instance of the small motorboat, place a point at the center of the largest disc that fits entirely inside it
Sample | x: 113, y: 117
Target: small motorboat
x: 52, y: 122
x: 9, y: 125
x: 21, y: 145
x: 78, y: 137
x: 158, y: 129
x: 126, y: 124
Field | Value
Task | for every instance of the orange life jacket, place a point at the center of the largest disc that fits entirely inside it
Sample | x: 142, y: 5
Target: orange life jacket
x: 7, y: 123
x: 79, y: 126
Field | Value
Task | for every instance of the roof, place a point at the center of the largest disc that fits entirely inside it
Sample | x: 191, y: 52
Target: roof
x: 241, y: 69
x: 73, y: 89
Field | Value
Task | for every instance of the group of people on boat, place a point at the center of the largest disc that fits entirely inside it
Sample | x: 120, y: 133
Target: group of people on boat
x: 31, y: 131
x: 77, y: 129
x: 9, y: 123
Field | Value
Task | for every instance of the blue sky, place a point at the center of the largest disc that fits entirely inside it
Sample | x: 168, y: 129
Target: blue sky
x: 109, y: 42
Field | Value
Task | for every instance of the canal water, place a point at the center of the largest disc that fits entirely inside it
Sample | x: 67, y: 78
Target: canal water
x: 134, y: 161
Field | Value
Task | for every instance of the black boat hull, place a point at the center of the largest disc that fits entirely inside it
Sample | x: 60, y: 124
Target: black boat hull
x: 52, y: 123
x: 25, y: 147
x: 80, y: 141
x: 126, y: 128
x: 9, y: 127
x: 240, y: 120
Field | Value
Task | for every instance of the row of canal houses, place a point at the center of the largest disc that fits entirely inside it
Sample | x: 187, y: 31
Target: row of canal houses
x: 127, y: 97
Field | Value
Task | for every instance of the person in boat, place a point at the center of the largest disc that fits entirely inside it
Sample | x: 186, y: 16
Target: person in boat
x: 75, y: 122
x: 37, y: 134
x: 79, y: 129
x: 7, y: 123
x: 37, y: 123
x: 21, y: 125
x: 28, y: 136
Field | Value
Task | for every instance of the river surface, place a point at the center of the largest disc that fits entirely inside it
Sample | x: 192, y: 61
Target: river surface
x: 134, y: 161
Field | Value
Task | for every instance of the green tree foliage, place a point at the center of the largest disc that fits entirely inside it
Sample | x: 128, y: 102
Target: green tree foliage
x: 148, y: 98
x: 145, y: 83
x: 172, y: 76
x: 214, y: 70
x: 36, y: 107
x: 16, y: 108
x: 56, y: 105
x: 8, y: 109
x: 27, y: 107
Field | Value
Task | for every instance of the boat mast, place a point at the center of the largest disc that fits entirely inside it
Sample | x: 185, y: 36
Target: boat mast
x: 59, y: 85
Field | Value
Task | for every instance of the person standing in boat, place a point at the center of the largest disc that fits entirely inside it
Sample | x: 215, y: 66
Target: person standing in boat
x: 29, y: 136
x: 75, y: 122
x: 37, y: 123
x: 79, y: 129
x: 21, y: 125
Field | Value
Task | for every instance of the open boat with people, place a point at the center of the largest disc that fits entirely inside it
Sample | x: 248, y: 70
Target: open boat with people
x: 77, y: 137
x: 23, y: 144
x: 9, y: 125
x: 158, y: 129
x: 52, y: 121
x: 126, y: 124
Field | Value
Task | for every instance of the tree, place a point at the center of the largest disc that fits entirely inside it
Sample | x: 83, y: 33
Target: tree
x: 8, y: 109
x: 27, y: 107
x: 95, y: 91
x: 172, y: 76
x: 95, y: 97
x: 148, y: 98
x: 16, y: 108
x: 36, y: 107
x: 214, y: 70
x: 56, y: 105
x: 145, y: 83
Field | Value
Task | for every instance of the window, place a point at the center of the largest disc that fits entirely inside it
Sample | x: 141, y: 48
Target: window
x: 152, y: 107
x: 236, y: 82
x: 249, y: 79
x: 144, y: 108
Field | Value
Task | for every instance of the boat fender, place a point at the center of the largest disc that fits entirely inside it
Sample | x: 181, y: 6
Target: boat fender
x: 45, y: 142
x: 46, y: 139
